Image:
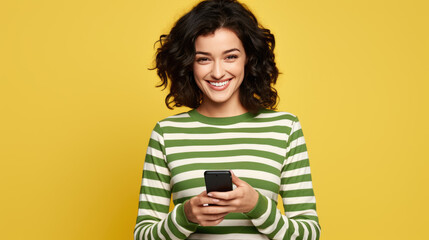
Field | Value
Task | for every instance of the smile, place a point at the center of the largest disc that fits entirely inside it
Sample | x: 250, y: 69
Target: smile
x: 219, y: 84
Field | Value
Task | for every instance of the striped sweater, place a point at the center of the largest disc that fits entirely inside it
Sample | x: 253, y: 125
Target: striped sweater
x: 267, y: 150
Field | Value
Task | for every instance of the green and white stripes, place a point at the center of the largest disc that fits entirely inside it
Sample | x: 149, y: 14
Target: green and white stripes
x: 267, y: 151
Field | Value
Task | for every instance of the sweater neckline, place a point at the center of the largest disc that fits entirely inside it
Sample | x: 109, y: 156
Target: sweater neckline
x: 221, y: 120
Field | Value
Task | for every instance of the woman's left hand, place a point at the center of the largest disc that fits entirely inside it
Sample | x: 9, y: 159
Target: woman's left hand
x: 242, y: 199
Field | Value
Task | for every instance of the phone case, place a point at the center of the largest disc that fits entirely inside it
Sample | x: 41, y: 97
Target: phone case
x: 218, y: 181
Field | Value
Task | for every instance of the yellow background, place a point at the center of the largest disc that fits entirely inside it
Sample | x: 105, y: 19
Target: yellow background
x: 77, y: 105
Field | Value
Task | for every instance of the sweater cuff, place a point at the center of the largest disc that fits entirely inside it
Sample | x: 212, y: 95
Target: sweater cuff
x: 260, y: 207
x: 182, y: 220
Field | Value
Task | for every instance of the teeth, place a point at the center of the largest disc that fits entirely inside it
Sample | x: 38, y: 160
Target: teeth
x: 219, y: 84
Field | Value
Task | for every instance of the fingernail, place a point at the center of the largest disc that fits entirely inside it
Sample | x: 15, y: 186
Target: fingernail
x: 215, y: 200
x: 205, y: 204
x: 209, y: 194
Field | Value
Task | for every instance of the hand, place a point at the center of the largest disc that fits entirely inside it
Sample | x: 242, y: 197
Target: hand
x: 241, y: 199
x: 198, y: 211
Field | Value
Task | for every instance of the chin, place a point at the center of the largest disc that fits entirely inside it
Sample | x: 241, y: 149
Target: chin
x: 219, y: 100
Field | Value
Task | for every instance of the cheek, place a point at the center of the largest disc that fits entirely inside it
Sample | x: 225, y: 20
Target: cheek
x: 198, y: 72
x: 239, y: 69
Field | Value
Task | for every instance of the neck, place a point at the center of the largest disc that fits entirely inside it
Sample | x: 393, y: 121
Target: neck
x: 212, y: 109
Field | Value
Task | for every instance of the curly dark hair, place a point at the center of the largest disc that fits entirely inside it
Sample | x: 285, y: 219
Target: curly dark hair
x: 176, y: 55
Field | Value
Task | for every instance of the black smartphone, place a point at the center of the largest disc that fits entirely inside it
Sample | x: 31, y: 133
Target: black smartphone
x: 218, y: 181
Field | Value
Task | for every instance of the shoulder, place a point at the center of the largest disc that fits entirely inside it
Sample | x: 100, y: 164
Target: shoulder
x: 174, y: 120
x: 170, y: 121
x: 286, y: 120
x: 272, y: 114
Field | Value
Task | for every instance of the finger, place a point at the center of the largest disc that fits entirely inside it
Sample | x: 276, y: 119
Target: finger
x: 224, y: 195
x: 203, y: 193
x: 228, y: 203
x: 214, y: 217
x: 218, y: 202
x: 237, y: 181
x: 205, y: 201
x: 216, y: 210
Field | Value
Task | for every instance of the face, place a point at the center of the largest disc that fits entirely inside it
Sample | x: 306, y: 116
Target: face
x: 219, y: 66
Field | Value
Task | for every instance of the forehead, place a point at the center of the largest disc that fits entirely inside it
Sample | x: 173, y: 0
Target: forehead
x: 222, y: 39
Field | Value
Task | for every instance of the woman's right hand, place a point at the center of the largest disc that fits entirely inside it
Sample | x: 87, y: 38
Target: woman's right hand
x: 198, y: 211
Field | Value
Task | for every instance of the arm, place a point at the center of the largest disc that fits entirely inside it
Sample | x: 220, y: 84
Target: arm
x: 301, y: 221
x: 153, y: 220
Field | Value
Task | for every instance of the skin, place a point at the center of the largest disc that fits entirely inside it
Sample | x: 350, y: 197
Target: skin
x: 242, y: 199
x: 220, y: 57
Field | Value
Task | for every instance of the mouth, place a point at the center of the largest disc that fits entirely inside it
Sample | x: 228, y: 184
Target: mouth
x: 220, y: 83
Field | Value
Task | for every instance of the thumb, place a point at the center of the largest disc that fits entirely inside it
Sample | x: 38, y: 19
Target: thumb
x: 237, y: 181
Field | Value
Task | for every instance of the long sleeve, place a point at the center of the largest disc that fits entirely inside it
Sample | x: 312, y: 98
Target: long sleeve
x: 300, y: 220
x: 153, y: 220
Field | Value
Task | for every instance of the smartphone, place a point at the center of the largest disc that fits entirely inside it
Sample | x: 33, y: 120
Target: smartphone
x: 218, y: 181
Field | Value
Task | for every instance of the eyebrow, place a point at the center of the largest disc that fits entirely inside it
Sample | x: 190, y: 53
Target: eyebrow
x: 224, y: 52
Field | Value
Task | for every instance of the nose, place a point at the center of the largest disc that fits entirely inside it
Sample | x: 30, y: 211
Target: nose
x: 218, y: 70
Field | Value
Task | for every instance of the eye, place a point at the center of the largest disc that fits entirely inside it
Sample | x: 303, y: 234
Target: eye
x: 202, y: 59
x: 232, y: 57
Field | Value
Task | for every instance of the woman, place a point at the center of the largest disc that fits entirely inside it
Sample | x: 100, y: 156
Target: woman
x: 219, y: 61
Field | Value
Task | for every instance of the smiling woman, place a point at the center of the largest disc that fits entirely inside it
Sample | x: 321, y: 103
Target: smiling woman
x: 220, y: 62
x: 176, y: 57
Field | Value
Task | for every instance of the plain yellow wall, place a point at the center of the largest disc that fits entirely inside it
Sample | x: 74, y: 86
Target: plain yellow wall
x: 77, y: 105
